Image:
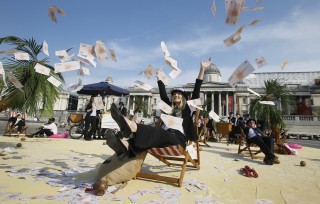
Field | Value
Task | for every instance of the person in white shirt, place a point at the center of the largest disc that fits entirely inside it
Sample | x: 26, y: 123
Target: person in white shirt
x: 90, y: 119
x: 49, y: 128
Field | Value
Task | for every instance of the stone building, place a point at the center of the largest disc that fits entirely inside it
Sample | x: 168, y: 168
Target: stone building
x: 218, y: 96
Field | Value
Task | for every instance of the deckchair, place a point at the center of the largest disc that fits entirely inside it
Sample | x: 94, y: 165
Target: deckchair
x: 173, y: 156
x: 245, y: 146
x: 9, y: 130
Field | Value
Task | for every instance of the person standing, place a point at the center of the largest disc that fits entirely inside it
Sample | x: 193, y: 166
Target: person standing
x: 90, y: 119
x: 122, y: 109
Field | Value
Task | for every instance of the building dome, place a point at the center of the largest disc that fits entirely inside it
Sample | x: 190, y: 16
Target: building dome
x: 109, y: 79
x: 212, y: 74
x: 212, y: 69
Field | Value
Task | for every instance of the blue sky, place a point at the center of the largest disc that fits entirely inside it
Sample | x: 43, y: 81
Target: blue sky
x: 134, y: 29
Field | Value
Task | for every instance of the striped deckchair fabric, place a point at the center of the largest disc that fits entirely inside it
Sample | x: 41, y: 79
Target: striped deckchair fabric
x: 166, y: 151
x: 174, y: 155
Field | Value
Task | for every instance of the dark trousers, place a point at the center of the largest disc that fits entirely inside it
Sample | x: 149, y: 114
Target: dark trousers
x: 90, y: 121
x: 148, y: 137
x: 20, y: 124
x: 43, y: 131
x: 266, y: 144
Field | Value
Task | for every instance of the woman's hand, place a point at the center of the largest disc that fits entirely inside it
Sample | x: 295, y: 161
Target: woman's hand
x: 205, y: 64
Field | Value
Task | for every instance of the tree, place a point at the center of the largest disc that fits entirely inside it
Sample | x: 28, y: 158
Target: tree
x: 276, y: 92
x: 37, y: 91
x: 141, y: 105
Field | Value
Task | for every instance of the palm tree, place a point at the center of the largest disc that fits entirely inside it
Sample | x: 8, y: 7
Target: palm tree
x: 276, y: 92
x: 37, y: 91
x: 141, y: 105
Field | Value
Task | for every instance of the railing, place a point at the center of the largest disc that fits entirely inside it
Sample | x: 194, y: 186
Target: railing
x: 301, y: 119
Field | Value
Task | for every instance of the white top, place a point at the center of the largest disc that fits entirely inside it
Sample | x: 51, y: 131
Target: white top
x: 251, y: 133
x: 94, y: 110
x: 51, y: 127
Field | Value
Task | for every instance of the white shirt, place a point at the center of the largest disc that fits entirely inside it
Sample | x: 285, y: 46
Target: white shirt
x: 94, y: 110
x: 251, y: 133
x: 52, y: 127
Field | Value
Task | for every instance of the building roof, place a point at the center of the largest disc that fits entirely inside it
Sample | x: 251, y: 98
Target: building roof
x: 212, y: 69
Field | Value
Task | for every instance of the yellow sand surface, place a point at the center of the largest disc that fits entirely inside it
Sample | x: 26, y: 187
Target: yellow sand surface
x: 286, y: 183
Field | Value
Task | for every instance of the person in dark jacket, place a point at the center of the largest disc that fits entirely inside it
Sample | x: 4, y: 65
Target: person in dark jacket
x: 17, y: 123
x: 266, y: 144
x: 142, y: 137
x: 122, y: 109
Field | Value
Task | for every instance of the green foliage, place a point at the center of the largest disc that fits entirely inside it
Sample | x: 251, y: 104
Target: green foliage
x: 37, y: 91
x: 272, y: 114
x: 141, y: 105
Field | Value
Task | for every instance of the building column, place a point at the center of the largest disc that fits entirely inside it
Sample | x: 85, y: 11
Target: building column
x: 234, y: 102
x: 227, y: 103
x: 149, y: 105
x: 128, y: 103
x: 219, y: 104
x: 212, y: 101
x: 133, y: 102
x: 248, y: 103
x: 204, y: 97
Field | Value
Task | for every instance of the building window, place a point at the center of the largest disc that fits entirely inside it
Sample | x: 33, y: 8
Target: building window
x: 244, y: 100
x: 73, y: 102
x: 154, y: 101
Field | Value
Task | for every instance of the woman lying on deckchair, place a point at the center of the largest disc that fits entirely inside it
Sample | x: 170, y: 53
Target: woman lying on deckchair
x: 143, y: 137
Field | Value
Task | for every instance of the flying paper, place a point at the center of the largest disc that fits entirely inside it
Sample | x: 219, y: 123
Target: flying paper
x: 267, y: 103
x: 142, y: 85
x: 260, y: 61
x: 214, y: 116
x: 42, y: 69
x: 174, y: 73
x: 101, y: 51
x: 75, y: 87
x: 164, y: 49
x: 21, y: 56
x: 163, y: 77
x: 240, y: 73
x: 213, y: 8
x: 99, y: 103
x: 14, y: 81
x: 54, y: 81
x: 233, y: 9
x: 45, y: 48
x: 52, y: 10
x: 66, y: 66
x: 172, y: 122
x: 86, y: 50
x: 252, y: 91
x: 8, y: 51
x: 113, y: 55
x: 284, y: 64
x: 164, y: 107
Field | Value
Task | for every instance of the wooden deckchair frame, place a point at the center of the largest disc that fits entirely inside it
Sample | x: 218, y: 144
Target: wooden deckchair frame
x: 243, y: 142
x: 184, y: 161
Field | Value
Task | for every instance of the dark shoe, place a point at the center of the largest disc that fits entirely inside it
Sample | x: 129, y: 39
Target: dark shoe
x: 30, y: 136
x: 114, y: 143
x: 268, y: 161
x: 119, y: 118
x: 94, y: 138
x: 87, y: 139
